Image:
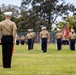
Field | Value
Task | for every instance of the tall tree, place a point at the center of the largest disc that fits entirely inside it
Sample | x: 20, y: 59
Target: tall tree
x: 48, y: 10
x: 1, y: 16
x: 14, y: 9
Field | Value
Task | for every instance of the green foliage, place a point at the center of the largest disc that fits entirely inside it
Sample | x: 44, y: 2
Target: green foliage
x: 61, y: 25
x: 1, y: 16
x: 71, y: 21
x: 13, y: 8
x: 47, y: 10
x: 68, y: 21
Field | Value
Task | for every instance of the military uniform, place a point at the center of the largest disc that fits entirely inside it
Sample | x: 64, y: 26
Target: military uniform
x: 8, y: 30
x: 44, y: 36
x: 17, y: 40
x: 22, y: 40
x: 63, y: 41
x: 33, y: 34
x: 72, y: 37
x: 59, y: 39
x: 29, y: 39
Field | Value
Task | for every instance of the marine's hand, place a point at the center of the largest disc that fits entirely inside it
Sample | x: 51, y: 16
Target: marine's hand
x: 48, y: 41
x: 40, y: 41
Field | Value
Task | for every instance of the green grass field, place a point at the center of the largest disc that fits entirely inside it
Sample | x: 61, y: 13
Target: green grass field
x: 35, y: 62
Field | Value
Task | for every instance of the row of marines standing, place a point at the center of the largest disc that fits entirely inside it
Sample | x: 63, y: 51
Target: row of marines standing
x: 71, y: 38
x: 45, y: 38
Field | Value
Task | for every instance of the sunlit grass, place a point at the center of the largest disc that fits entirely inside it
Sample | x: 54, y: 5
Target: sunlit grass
x: 35, y: 62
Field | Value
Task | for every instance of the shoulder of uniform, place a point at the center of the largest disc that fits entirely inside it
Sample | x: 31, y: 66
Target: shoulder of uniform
x: 12, y: 22
x: 47, y: 32
x: 2, y: 22
x: 41, y: 31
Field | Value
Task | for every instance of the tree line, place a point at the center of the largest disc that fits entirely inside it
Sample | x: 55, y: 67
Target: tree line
x: 37, y: 13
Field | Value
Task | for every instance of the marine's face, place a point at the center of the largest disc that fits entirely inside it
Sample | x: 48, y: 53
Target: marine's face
x: 44, y: 29
x: 8, y: 17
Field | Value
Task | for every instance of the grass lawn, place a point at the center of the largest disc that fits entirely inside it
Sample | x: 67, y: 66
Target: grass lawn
x: 35, y: 62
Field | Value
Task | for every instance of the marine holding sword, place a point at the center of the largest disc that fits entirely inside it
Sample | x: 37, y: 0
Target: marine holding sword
x: 8, y: 31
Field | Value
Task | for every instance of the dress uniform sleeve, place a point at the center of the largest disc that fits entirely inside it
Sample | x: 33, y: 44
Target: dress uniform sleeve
x: 40, y: 33
x: 34, y: 34
x: 14, y: 26
x: 26, y: 36
x: 14, y: 32
x: 48, y: 34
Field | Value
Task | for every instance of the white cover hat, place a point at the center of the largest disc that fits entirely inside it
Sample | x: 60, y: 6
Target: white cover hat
x: 8, y: 13
x: 29, y: 29
x: 58, y: 29
x: 43, y: 28
x: 72, y: 30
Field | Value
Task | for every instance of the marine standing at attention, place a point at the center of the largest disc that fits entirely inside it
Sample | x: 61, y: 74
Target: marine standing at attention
x: 59, y: 39
x: 44, y: 38
x: 22, y: 39
x: 8, y: 31
x: 17, y: 40
x: 72, y: 37
x: 29, y: 37
x: 33, y: 34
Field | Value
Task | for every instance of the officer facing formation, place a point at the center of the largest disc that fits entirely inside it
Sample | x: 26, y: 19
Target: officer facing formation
x: 44, y: 38
x: 58, y: 38
x: 72, y: 38
x: 29, y: 37
x: 33, y: 34
x: 8, y: 31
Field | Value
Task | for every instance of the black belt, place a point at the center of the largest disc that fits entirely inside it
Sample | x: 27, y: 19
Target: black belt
x: 7, y: 35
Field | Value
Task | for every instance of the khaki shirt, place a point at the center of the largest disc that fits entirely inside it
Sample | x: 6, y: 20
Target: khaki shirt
x: 17, y: 38
x: 44, y: 34
x: 33, y: 34
x: 72, y: 36
x: 22, y: 37
x: 7, y: 27
x: 58, y: 35
x: 29, y: 36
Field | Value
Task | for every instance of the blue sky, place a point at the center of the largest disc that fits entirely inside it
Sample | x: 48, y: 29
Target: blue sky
x: 72, y: 2
x: 12, y: 2
x: 18, y: 2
